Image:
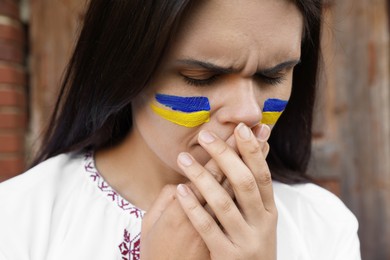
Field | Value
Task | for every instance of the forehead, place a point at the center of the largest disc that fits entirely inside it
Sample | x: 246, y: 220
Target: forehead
x: 241, y: 32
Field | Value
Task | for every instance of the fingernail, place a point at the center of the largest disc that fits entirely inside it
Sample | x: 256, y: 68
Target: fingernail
x: 182, y: 190
x: 206, y: 137
x: 244, y: 131
x: 185, y: 159
x: 264, y: 133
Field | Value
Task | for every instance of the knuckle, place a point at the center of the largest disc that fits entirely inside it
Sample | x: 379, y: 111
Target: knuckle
x: 265, y: 179
x: 199, y: 174
x: 247, y: 183
x: 255, y: 148
x: 205, y: 226
x: 224, y: 205
x: 222, y: 148
x: 192, y: 208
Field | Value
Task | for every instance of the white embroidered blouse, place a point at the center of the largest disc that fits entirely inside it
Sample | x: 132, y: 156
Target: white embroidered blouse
x: 64, y: 209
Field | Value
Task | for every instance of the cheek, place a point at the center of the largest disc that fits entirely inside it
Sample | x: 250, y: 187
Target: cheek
x: 273, y: 109
x: 276, y: 103
x: 184, y: 111
x: 164, y: 138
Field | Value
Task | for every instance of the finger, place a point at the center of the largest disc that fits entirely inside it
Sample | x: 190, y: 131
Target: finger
x: 216, y: 197
x: 212, y: 167
x: 265, y: 149
x: 228, y: 188
x: 200, y: 198
x: 175, y: 217
x: 206, y: 226
x: 262, y: 138
x: 216, y: 171
x: 170, y: 213
x: 166, y: 196
x: 252, y: 154
x: 239, y: 175
x: 261, y: 135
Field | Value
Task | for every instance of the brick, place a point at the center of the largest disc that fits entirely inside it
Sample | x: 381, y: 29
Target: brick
x: 11, y: 143
x: 11, y: 52
x: 12, y: 120
x: 9, y: 8
x: 11, y: 75
x: 11, y: 97
x: 12, y: 34
x: 10, y: 167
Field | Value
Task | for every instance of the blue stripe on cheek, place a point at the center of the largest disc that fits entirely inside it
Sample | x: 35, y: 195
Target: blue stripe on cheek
x: 274, y: 105
x: 184, y: 104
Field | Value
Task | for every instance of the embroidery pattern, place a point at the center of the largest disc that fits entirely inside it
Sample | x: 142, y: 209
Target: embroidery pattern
x: 129, y: 248
x: 105, y: 188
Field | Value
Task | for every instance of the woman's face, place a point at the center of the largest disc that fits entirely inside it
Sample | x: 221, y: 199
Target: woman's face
x: 233, y: 54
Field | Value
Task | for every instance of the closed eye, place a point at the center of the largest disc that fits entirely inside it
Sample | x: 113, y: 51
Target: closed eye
x: 277, y: 74
x: 199, y: 82
x: 271, y: 80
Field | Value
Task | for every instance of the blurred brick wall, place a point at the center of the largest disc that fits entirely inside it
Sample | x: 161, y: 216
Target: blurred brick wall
x: 12, y: 90
x: 351, y: 147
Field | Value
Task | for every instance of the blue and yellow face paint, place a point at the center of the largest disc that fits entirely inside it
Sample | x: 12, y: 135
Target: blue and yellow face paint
x: 273, y: 109
x: 184, y: 111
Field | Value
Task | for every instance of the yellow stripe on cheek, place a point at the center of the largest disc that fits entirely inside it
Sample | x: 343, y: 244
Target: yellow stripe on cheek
x: 270, y: 118
x: 184, y: 119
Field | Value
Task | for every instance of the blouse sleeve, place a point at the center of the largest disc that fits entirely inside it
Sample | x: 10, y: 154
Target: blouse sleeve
x: 331, y: 228
x: 348, y: 246
x: 2, y: 257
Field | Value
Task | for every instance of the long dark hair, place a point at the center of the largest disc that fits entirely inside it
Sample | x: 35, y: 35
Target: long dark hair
x: 120, y: 47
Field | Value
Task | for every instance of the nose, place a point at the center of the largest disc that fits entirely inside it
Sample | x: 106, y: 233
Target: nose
x: 241, y: 104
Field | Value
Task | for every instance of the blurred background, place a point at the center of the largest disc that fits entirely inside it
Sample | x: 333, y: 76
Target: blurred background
x: 351, y: 149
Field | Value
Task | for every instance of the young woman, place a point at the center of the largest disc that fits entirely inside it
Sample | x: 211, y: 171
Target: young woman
x: 164, y: 122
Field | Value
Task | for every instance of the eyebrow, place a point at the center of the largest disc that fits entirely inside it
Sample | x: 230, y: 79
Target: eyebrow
x: 207, y: 65
x: 279, y: 67
x: 227, y: 70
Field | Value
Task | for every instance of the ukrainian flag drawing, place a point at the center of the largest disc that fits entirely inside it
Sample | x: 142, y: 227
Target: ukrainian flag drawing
x: 184, y: 111
x: 273, y: 109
